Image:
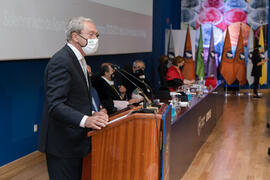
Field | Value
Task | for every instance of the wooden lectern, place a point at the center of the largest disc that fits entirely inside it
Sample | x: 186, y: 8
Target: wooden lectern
x: 127, y: 148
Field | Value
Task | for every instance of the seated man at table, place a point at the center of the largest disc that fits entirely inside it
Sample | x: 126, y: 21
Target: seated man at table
x: 112, y: 95
x: 137, y: 76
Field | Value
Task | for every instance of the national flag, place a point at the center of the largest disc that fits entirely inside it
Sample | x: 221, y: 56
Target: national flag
x: 239, y: 61
x: 250, y: 46
x: 200, y: 58
x: 227, y: 65
x: 211, y: 61
x: 263, y: 78
x: 188, y: 69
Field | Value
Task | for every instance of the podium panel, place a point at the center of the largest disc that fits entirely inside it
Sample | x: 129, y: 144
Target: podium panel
x: 126, y: 149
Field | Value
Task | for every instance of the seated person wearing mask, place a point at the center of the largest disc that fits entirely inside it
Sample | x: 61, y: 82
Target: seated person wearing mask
x: 141, y: 81
x: 109, y: 93
x: 174, y: 76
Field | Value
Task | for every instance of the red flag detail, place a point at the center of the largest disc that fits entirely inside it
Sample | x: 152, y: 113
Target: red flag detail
x: 189, y: 66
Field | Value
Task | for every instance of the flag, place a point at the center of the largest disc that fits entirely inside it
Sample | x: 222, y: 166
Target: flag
x: 263, y: 78
x: 170, y: 45
x: 239, y: 60
x: 250, y: 78
x: 227, y: 65
x: 188, y: 69
x: 211, y: 61
x: 200, y: 58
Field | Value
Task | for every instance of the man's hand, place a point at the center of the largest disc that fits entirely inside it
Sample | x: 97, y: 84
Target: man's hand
x: 100, y: 113
x: 135, y: 100
x: 104, y: 110
x: 97, y: 121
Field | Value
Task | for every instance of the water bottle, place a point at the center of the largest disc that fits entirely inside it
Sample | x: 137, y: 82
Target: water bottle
x: 189, y: 95
x: 172, y: 113
x: 173, y: 104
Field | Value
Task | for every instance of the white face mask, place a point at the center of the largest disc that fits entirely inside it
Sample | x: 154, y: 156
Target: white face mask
x: 91, y: 46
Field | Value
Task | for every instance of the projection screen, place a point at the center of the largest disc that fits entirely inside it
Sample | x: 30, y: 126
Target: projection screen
x: 33, y: 29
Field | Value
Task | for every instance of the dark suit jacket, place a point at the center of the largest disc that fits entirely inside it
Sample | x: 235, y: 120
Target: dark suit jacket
x: 67, y: 100
x: 96, y: 98
x: 131, y: 87
x: 106, y: 94
x: 256, y: 70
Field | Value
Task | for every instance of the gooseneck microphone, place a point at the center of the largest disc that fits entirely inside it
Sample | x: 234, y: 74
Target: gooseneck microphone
x: 148, y: 88
x: 146, y: 99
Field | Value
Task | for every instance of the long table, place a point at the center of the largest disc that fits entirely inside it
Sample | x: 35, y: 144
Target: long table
x: 189, y: 131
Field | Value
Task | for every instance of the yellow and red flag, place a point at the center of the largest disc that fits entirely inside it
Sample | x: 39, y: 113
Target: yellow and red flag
x: 263, y: 78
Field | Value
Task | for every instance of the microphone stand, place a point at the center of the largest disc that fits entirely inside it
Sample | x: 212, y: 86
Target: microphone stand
x: 146, y: 99
x: 148, y: 88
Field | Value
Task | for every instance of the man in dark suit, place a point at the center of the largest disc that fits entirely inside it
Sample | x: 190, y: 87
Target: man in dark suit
x: 67, y: 115
x: 138, y: 77
x: 109, y: 91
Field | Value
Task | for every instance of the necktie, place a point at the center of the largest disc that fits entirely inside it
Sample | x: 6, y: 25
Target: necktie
x: 83, y: 62
x: 94, y: 104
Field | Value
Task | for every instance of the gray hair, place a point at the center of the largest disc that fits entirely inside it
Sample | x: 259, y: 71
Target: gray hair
x: 75, y: 25
x: 137, y: 61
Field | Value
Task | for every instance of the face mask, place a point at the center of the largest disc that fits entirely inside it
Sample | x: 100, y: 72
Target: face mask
x: 112, y: 77
x: 140, y: 73
x: 91, y: 46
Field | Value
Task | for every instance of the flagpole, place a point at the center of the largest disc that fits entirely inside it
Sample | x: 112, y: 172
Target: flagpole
x: 226, y: 93
x: 249, y: 89
x: 239, y: 93
x: 169, y: 38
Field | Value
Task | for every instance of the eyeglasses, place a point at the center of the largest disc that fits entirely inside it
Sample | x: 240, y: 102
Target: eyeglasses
x: 140, y: 67
x: 92, y: 34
